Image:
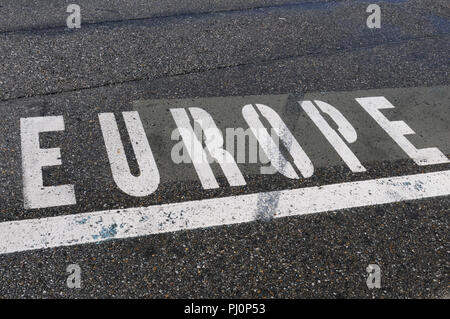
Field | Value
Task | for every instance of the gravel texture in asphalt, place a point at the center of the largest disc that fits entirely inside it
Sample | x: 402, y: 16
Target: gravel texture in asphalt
x: 131, y: 51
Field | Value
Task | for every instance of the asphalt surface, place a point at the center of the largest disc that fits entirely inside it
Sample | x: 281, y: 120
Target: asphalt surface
x: 134, y: 51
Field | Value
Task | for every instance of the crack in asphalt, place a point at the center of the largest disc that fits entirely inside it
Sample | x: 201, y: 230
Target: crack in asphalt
x: 183, y: 15
x: 231, y: 66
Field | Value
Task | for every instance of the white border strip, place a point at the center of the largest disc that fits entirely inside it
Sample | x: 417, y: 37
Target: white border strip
x: 93, y: 227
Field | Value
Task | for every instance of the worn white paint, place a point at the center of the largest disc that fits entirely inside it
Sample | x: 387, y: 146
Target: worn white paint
x: 92, y: 227
x: 35, y: 194
x: 398, y: 129
x: 270, y: 148
x: 194, y: 149
x: 214, y: 145
x: 344, y: 128
x: 148, y: 180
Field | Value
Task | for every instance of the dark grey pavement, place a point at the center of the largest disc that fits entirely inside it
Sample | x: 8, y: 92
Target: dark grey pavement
x: 199, y: 49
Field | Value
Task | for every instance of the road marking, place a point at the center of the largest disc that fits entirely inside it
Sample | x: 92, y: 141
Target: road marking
x: 36, y: 195
x: 398, y: 129
x: 344, y: 128
x: 93, y: 227
x: 148, y: 180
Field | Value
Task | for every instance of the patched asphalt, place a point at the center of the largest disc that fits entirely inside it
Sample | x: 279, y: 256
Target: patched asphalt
x: 207, y: 49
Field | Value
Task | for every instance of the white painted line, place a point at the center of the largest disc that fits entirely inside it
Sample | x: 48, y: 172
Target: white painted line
x: 132, y: 222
